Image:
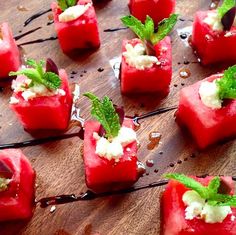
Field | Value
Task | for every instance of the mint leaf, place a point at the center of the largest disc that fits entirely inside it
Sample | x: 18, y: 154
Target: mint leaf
x: 64, y: 4
x: 4, y: 184
x: 214, y: 185
x: 164, y: 28
x: 146, y: 31
x: 227, y: 84
x: 209, y: 193
x: 190, y: 183
x: 225, y: 7
x: 149, y: 27
x: 37, y: 75
x: 135, y: 25
x: 51, y: 80
x: 105, y: 113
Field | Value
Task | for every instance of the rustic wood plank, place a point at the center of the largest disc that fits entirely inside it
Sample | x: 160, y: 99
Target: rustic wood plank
x: 59, y: 165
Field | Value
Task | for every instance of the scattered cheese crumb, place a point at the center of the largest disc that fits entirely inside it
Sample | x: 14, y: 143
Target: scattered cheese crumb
x: 72, y: 13
x: 53, y: 208
x: 13, y: 100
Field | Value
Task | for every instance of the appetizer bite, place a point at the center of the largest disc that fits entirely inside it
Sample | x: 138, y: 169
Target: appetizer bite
x: 214, y: 34
x: 41, y: 97
x: 208, y: 108
x: 17, y: 186
x: 9, y: 53
x: 198, y: 206
x: 156, y: 9
x: 76, y: 24
x: 146, y: 65
x: 110, y: 146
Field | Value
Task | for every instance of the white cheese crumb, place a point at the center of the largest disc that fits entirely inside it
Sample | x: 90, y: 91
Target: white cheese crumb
x: 215, y: 214
x: 128, y: 149
x: 232, y: 218
x: 13, y: 100
x: 209, y: 93
x: 214, y: 21
x: 28, y: 94
x: 72, y: 13
x: 76, y: 93
x: 115, y: 148
x: 126, y: 136
x: 197, y: 207
x: 60, y: 92
x: 135, y: 57
x: 53, y: 208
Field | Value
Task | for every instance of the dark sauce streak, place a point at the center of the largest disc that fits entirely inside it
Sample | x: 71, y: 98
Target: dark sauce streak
x: 35, y: 142
x: 35, y: 16
x: 114, y: 30
x: 26, y: 33
x: 39, y: 41
x: 89, y: 195
x: 50, y: 22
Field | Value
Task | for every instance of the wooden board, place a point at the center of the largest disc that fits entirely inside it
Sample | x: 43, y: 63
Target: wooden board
x: 59, y: 165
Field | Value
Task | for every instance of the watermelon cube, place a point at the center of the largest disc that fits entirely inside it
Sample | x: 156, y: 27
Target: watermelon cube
x: 156, y: 9
x: 80, y: 33
x: 9, y: 53
x: 155, y: 79
x: 213, y: 46
x: 207, y: 125
x: 102, y: 173
x: 17, y: 201
x: 44, y: 112
x: 173, y: 213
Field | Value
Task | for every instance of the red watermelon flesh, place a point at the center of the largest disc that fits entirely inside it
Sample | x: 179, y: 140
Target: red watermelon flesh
x: 212, y: 46
x: 173, y: 213
x: 9, y: 53
x: 150, y: 80
x: 101, y: 172
x: 156, y: 9
x: 207, y: 126
x: 17, y: 202
x: 80, y: 33
x: 45, y: 112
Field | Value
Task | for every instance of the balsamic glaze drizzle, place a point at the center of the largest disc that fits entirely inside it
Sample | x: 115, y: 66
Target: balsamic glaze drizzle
x: 35, y: 142
x: 26, y: 33
x: 38, y: 41
x: 79, y: 134
x: 35, y: 16
x: 114, y: 30
x: 89, y: 195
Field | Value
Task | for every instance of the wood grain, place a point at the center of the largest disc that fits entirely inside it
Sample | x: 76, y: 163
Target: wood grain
x: 59, y: 165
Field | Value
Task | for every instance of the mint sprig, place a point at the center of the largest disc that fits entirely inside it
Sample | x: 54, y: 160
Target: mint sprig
x: 64, y: 4
x: 209, y: 193
x: 147, y: 30
x: 225, y: 7
x: 227, y: 84
x: 104, y: 111
x: 4, y: 184
x: 37, y: 75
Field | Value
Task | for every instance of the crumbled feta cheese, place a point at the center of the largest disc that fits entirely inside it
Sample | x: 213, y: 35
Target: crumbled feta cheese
x: 72, y: 13
x: 209, y: 93
x: 114, y: 149
x: 197, y: 207
x: 13, y: 100
x: 28, y: 94
x: 214, y: 21
x: 126, y: 136
x: 76, y: 93
x: 135, y: 57
x: 215, y: 214
x: 53, y: 208
x: 232, y: 218
x: 60, y: 92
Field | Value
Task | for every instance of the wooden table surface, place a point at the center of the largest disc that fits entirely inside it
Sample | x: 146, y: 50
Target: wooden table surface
x: 59, y: 165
